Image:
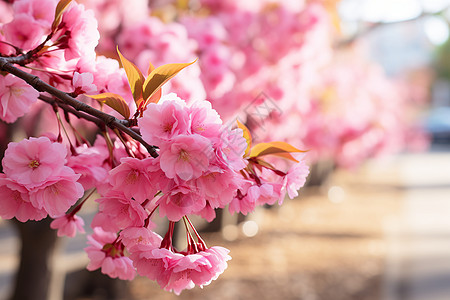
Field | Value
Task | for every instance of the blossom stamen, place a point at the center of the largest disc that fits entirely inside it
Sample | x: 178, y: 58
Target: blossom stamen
x: 167, y: 127
x: 33, y: 164
x: 184, y: 155
x: 132, y: 177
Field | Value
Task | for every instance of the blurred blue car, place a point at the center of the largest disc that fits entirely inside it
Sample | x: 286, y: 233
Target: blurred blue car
x: 438, y: 124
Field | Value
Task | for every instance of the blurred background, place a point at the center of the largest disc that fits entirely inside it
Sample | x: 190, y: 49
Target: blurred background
x: 364, y: 85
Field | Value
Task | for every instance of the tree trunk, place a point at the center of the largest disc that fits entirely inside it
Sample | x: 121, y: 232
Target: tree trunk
x: 34, y: 273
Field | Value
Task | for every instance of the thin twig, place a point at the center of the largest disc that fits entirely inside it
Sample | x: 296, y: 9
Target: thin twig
x: 70, y: 109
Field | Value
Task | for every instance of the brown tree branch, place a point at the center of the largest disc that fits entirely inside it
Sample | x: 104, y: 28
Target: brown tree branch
x: 73, y: 111
x: 6, y: 64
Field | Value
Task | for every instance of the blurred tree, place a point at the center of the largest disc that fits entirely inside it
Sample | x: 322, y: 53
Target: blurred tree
x: 442, y: 61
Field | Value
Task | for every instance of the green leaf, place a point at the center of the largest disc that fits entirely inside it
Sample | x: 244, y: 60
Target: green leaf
x: 114, y: 101
x: 159, y: 76
x: 60, y: 8
x: 281, y: 149
x: 247, y: 136
x: 135, y: 78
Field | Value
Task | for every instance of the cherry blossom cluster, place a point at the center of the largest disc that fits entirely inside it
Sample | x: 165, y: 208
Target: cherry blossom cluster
x: 16, y: 97
x: 37, y: 181
x: 201, y: 166
x: 65, y: 58
x: 200, y: 157
x: 143, y: 152
x: 355, y: 112
x: 276, y: 53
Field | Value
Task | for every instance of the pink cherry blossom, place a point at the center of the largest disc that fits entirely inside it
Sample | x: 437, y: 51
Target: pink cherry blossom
x: 204, y: 119
x: 218, y: 188
x: 6, y: 13
x: 180, y: 201
x: 140, y: 239
x: 58, y: 193
x: 15, y: 202
x: 206, y: 31
x: 16, y: 97
x: 186, y: 157
x: 230, y: 148
x: 217, y: 257
x: 165, y: 120
x: 246, y: 199
x: 116, y: 212
x: 83, y: 83
x: 4, y: 48
x: 32, y: 161
x: 296, y: 178
x: 24, y: 32
x: 105, y: 253
x: 81, y: 27
x: 89, y: 162
x: 184, y: 270
x: 134, y: 178
x: 267, y: 194
x: 208, y: 213
x: 154, y: 262
x: 220, y: 79
x: 101, y: 67
x: 177, y: 272
x: 68, y: 225
x: 41, y: 11
x: 271, y: 192
x: 114, y: 13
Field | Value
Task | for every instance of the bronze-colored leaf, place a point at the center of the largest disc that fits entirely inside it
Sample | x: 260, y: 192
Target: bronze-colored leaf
x: 281, y: 149
x: 60, y: 8
x: 247, y: 136
x: 159, y: 76
x: 135, y: 77
x: 114, y: 101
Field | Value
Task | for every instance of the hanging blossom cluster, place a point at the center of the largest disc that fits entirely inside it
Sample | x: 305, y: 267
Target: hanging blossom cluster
x: 155, y: 155
x: 202, y: 165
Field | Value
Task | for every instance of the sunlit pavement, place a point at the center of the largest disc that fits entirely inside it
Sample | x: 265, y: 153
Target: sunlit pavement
x: 418, y: 260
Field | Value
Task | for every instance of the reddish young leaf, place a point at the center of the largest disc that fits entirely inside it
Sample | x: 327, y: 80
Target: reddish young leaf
x: 247, y: 136
x: 154, y: 98
x: 151, y: 67
x: 135, y: 78
x: 281, y: 149
x: 160, y: 76
x: 114, y: 101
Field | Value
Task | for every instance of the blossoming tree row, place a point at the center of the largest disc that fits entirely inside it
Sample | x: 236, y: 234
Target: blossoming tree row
x: 277, y: 64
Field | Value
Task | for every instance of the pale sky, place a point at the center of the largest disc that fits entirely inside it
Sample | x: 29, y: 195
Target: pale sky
x: 436, y: 28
